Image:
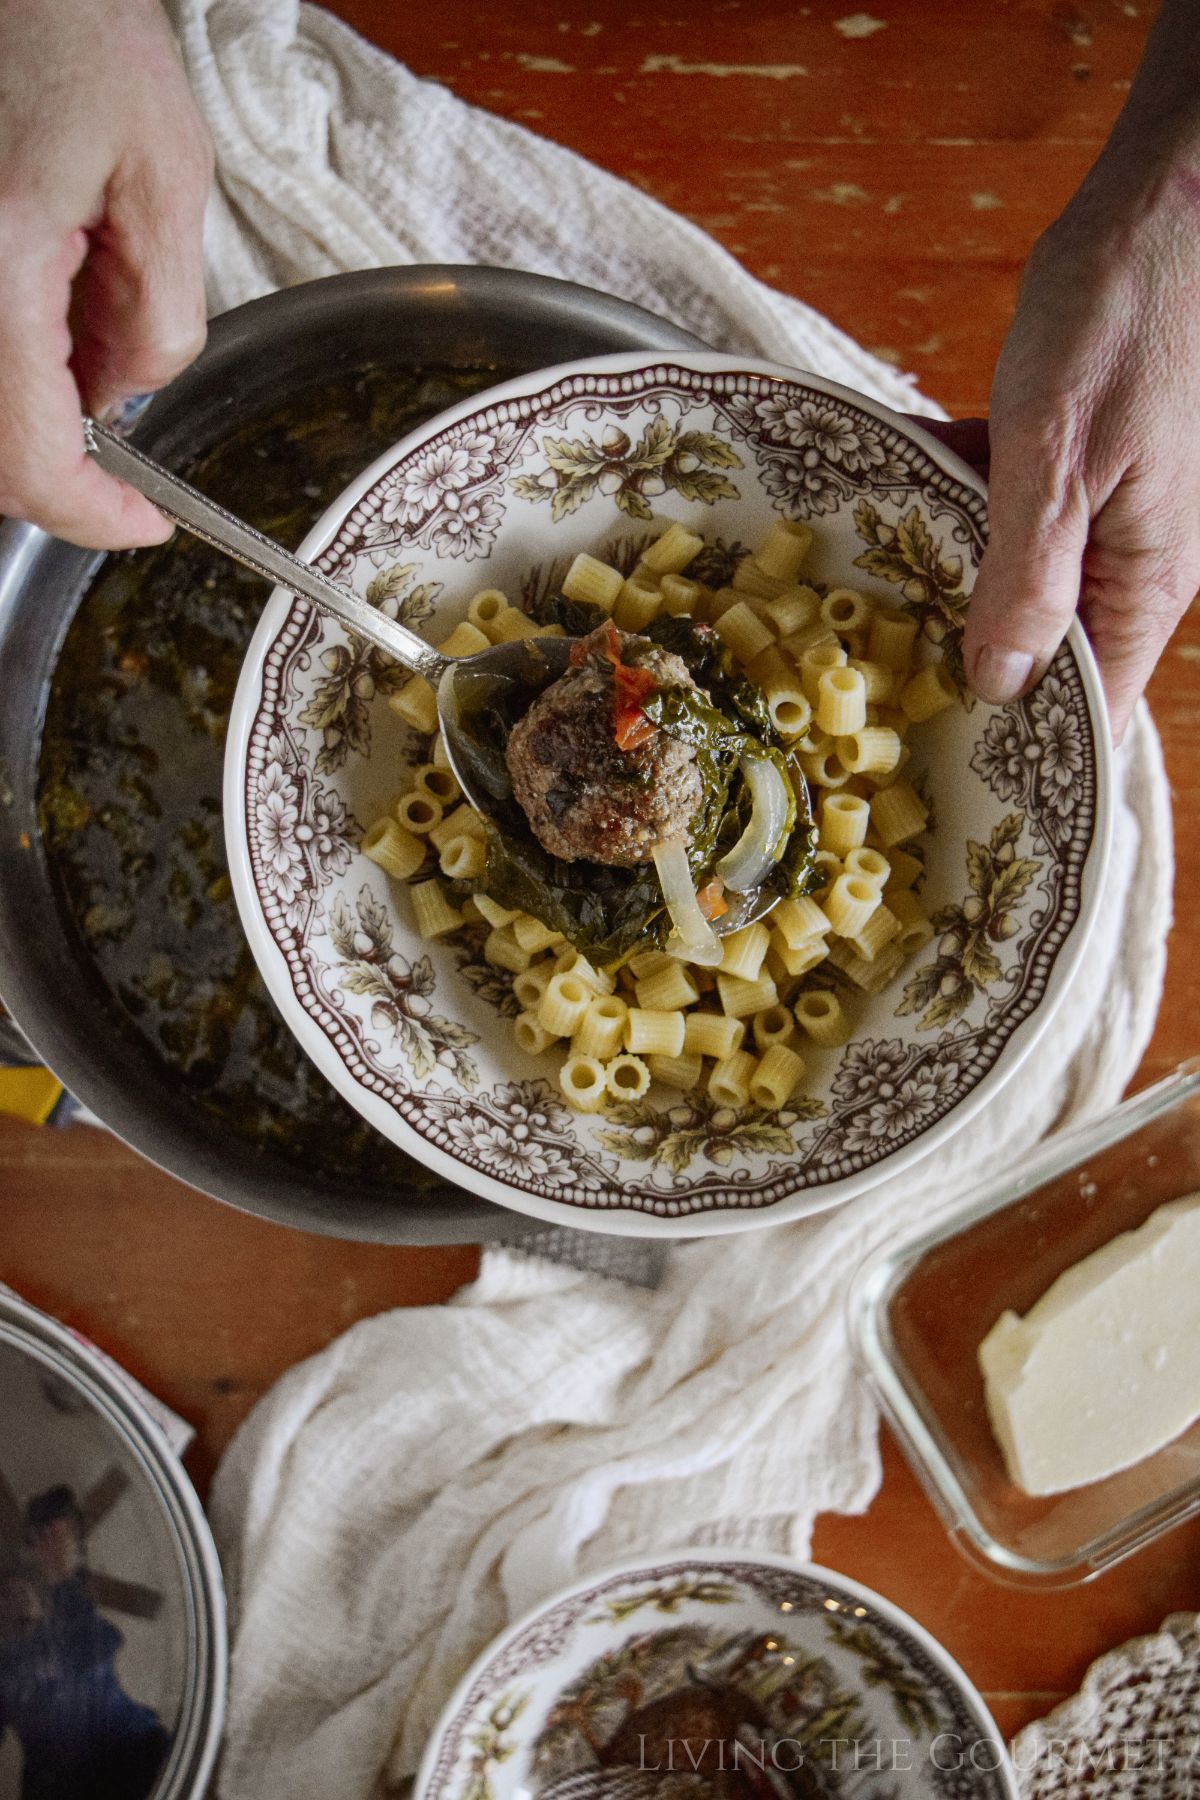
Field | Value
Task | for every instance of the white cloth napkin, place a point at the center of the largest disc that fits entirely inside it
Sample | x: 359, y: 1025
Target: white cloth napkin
x: 394, y: 1500
x: 331, y: 156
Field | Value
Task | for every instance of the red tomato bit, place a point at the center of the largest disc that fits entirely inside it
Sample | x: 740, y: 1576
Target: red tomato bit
x: 631, y: 687
x: 711, y: 898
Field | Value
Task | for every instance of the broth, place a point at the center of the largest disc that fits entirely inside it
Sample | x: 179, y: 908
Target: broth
x: 131, y: 771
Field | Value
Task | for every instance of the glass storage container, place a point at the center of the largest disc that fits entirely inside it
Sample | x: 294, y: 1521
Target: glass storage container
x: 922, y: 1305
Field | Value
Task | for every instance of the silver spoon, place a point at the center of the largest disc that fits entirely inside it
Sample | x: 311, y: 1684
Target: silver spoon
x: 531, y: 662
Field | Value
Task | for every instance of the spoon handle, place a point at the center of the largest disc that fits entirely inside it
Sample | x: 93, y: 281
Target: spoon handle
x: 224, y: 531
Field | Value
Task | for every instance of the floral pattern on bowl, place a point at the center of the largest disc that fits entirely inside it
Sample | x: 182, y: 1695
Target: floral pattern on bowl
x: 503, y: 491
x: 705, y: 1675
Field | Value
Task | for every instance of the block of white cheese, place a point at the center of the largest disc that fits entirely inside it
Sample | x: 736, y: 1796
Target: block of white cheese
x: 1105, y: 1368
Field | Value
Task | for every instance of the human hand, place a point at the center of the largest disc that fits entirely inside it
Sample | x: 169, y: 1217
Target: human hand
x: 105, y: 165
x: 1095, y: 458
x: 1094, y: 483
x: 967, y: 438
x: 1094, y: 466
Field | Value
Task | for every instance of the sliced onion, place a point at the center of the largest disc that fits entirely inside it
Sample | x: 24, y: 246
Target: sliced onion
x: 693, y: 936
x: 760, y: 845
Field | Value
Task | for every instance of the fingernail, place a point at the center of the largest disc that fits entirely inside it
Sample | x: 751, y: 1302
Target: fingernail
x: 123, y: 412
x: 1001, y: 674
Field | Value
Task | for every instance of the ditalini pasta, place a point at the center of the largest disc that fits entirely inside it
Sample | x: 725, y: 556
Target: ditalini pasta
x: 393, y: 848
x: 836, y: 671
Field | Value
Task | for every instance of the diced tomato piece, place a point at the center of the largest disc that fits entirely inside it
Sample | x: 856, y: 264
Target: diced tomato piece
x: 633, y: 730
x: 711, y: 898
x: 631, y: 686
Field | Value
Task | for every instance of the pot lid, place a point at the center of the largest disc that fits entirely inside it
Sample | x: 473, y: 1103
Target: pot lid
x: 112, y: 1629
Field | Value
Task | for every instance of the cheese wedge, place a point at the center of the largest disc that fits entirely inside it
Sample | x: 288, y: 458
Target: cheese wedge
x: 1105, y: 1368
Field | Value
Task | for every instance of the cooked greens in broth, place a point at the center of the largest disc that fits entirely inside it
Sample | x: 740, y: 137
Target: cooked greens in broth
x: 131, y: 771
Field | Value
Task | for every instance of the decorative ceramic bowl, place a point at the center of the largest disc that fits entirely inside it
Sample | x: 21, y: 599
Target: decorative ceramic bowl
x: 706, y: 1676
x: 503, y: 491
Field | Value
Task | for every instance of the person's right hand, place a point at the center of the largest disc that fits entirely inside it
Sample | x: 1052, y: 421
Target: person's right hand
x: 105, y: 166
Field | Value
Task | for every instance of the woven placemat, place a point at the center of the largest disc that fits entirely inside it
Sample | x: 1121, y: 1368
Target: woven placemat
x: 640, y: 1261
x: 1132, y: 1732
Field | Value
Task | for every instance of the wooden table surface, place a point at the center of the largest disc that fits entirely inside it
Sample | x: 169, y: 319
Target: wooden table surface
x: 893, y: 170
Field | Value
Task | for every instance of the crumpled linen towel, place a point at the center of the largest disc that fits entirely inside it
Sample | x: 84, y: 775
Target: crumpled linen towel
x: 332, y: 156
x: 395, y: 1499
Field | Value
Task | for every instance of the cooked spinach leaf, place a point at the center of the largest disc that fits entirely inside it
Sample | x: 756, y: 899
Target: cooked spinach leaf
x: 720, y: 744
x: 578, y: 618
x: 603, y: 911
x: 710, y: 666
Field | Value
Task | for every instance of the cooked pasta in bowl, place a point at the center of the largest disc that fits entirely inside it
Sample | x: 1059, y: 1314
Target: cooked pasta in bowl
x: 764, y: 903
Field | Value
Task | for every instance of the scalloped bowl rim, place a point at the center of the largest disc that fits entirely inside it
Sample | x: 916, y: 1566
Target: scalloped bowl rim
x: 619, y: 1220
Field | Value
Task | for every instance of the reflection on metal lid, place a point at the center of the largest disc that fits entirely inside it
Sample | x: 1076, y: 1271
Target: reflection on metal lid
x: 112, y: 1626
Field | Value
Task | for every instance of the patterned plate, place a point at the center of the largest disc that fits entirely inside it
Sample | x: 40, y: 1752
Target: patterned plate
x: 706, y: 1677
x: 503, y: 491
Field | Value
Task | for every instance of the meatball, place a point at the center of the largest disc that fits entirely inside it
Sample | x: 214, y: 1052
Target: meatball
x: 583, y: 795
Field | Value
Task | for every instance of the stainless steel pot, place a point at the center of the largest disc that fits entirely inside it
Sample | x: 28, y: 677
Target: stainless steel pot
x: 401, y: 318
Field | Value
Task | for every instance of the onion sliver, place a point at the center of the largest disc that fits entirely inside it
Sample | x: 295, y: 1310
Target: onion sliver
x: 693, y: 936
x: 761, y: 844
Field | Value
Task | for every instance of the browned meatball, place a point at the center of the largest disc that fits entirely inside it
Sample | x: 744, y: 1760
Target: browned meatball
x: 582, y: 794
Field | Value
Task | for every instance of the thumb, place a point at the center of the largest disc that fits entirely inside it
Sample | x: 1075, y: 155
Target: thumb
x: 1027, y: 589
x: 138, y: 312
